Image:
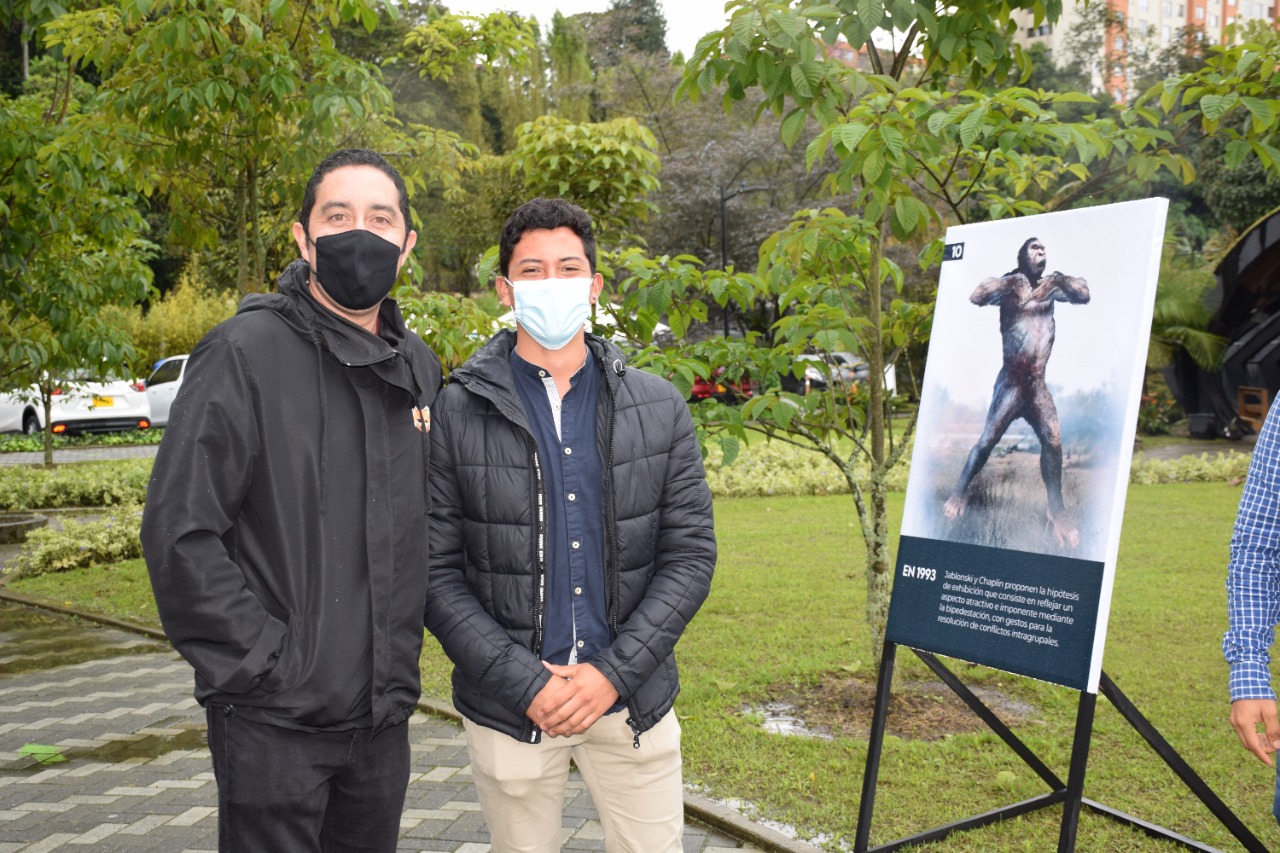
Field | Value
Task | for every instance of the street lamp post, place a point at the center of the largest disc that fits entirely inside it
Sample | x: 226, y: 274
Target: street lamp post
x: 724, y: 234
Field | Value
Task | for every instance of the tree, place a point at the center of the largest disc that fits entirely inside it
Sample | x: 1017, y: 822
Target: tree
x: 71, y: 241
x: 626, y: 27
x: 608, y: 168
x: 570, y: 68
x: 1180, y: 319
x: 916, y: 158
x: 226, y: 106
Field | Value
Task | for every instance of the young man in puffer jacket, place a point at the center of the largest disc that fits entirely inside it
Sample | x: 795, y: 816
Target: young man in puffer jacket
x: 571, y: 544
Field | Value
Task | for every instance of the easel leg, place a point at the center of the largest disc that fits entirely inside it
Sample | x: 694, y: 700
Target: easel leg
x: 875, y: 746
x: 1075, y: 777
x: 1180, y: 767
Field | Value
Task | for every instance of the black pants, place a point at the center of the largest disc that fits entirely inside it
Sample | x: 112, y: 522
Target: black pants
x: 285, y: 791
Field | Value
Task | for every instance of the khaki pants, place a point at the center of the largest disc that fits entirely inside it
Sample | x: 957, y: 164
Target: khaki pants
x: 637, y: 792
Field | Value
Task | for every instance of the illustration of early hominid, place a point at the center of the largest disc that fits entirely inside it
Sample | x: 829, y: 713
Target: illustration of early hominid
x: 1026, y: 297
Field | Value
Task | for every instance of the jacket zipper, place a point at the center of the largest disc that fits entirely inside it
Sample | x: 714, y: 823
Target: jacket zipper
x: 540, y: 564
x: 611, y: 522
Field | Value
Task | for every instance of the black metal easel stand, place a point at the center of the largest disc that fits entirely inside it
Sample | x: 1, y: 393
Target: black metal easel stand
x: 1070, y: 795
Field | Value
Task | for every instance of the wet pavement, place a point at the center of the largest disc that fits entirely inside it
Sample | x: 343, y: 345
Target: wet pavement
x: 102, y: 747
x: 80, y: 454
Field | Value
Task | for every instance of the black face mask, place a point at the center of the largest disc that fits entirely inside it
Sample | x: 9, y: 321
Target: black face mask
x: 356, y: 268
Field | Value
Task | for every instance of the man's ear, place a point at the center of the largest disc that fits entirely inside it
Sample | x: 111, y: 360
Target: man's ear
x: 506, y: 294
x: 597, y: 285
x: 300, y: 237
x: 410, y: 241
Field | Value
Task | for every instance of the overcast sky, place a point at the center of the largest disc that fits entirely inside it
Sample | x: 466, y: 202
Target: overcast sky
x: 687, y: 20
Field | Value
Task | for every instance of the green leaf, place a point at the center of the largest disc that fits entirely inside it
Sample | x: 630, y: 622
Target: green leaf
x: 892, y: 139
x: 1261, y: 111
x: 801, y: 84
x: 816, y: 149
x: 906, y: 214
x: 42, y: 753
x: 971, y: 125
x: 849, y: 135
x: 792, y: 126
x: 1237, y: 151
x: 870, y: 13
x: 1214, y: 106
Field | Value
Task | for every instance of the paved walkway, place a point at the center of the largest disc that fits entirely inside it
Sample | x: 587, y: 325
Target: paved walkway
x: 135, y: 772
x: 80, y: 454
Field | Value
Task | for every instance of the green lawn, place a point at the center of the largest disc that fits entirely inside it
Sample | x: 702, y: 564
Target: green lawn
x: 786, y: 612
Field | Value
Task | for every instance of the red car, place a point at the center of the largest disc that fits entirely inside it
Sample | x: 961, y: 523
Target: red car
x: 727, y: 392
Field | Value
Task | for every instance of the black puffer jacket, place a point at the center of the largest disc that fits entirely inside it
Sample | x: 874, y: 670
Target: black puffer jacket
x: 285, y: 526
x: 486, y: 603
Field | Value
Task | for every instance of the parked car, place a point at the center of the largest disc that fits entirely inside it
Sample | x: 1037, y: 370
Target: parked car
x: 162, y: 387
x: 858, y: 371
x: 721, y: 389
x: 21, y: 412
x: 81, y: 405
x: 844, y: 369
x: 816, y: 374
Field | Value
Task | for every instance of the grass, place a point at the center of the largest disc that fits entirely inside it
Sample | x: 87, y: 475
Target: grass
x: 786, y: 611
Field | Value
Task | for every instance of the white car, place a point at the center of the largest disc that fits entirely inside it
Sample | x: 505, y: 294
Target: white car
x: 21, y: 412
x: 78, y: 406
x: 92, y: 406
x: 162, y: 387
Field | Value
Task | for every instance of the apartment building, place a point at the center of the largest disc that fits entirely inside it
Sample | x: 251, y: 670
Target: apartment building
x: 1143, y: 25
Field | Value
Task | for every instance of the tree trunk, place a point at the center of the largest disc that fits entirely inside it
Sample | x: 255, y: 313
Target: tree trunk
x: 878, y: 571
x: 259, y: 249
x: 46, y: 400
x: 242, y: 240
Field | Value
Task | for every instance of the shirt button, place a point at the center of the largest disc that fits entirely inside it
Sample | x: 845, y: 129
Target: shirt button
x: 568, y: 451
x: 577, y: 590
x: 581, y: 643
x: 572, y: 496
x: 576, y: 544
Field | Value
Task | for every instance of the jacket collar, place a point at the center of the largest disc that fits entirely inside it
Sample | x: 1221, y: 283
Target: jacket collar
x: 488, y: 372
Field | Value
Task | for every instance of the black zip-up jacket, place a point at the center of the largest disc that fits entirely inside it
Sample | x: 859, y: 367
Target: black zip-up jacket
x: 285, y: 528
x: 487, y: 569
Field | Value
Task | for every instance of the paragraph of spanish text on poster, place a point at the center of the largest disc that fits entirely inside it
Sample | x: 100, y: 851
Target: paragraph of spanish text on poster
x: 1032, y: 614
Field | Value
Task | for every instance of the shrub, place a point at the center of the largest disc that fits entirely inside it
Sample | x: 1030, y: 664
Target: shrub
x: 1157, y: 413
x: 768, y: 468
x: 177, y: 322
x: 78, y: 544
x: 84, y: 484
x: 35, y: 443
x: 1227, y: 467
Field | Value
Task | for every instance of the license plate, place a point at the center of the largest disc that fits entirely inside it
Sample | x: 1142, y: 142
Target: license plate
x: 103, y: 402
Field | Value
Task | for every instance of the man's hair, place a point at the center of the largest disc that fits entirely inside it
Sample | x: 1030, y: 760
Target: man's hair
x: 352, y: 157
x: 546, y: 214
x: 1024, y: 255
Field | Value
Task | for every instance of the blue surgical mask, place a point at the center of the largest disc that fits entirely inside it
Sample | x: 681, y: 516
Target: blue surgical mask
x: 552, y: 310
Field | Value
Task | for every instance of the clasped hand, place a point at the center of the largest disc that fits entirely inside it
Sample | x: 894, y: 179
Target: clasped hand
x: 572, y: 700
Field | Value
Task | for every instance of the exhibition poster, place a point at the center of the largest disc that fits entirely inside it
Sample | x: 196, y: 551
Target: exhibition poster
x: 1025, y: 435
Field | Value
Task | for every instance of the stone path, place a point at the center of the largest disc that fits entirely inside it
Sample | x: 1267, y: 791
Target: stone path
x: 134, y: 773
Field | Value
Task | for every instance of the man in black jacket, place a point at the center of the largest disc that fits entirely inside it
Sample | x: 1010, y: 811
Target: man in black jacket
x: 285, y: 529
x: 571, y: 543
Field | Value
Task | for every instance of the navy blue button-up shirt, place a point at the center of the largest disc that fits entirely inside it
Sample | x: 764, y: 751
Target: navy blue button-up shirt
x: 576, y: 626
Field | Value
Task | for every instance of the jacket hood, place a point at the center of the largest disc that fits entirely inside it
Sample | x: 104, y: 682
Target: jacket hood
x: 350, y: 344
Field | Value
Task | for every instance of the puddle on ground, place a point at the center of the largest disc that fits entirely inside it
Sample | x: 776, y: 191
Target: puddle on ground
x: 151, y: 746
x: 33, y: 640
x: 781, y: 718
